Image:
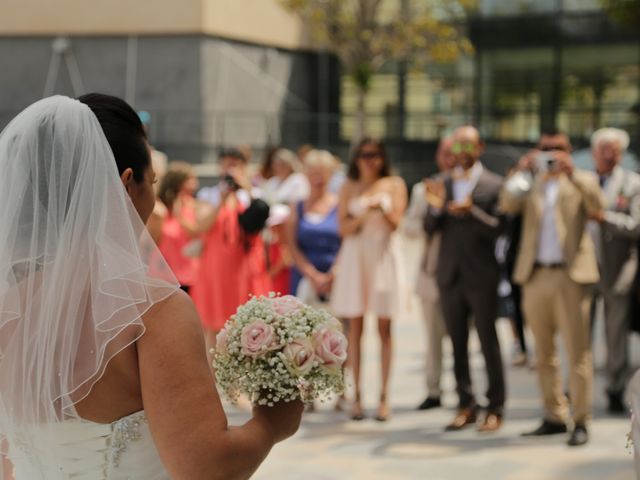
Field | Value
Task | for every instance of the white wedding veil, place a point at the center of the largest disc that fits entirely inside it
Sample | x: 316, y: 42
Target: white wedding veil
x: 75, y: 273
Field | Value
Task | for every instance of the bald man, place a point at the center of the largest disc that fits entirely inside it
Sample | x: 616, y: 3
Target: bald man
x: 426, y: 285
x: 463, y: 209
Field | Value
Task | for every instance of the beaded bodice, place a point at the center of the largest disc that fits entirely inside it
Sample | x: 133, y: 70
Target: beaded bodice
x: 91, y: 451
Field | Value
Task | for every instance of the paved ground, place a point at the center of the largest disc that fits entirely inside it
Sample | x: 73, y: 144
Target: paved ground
x: 412, y: 445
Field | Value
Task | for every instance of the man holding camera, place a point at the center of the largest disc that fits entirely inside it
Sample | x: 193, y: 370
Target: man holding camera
x: 556, y: 265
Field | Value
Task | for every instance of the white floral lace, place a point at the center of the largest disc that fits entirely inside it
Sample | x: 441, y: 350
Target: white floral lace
x: 124, y: 431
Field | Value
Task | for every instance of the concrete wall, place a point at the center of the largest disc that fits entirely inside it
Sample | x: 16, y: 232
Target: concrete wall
x: 256, y: 21
x: 202, y: 92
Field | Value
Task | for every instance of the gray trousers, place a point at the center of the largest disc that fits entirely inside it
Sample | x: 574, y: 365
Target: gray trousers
x: 617, y: 310
x: 436, y: 331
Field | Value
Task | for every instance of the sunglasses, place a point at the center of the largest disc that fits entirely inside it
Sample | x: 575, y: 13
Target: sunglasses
x: 463, y: 147
x: 369, y: 155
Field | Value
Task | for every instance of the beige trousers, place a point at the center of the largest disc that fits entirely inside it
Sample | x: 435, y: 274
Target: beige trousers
x: 553, y: 302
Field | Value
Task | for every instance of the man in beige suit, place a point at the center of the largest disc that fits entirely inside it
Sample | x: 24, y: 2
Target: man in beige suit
x: 426, y: 285
x: 557, y: 267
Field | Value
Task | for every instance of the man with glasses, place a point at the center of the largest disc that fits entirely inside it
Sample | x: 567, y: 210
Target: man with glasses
x: 556, y: 265
x: 462, y: 208
x: 615, y: 232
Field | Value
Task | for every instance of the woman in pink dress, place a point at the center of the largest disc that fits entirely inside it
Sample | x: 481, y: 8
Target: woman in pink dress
x: 372, y: 203
x: 232, y: 262
x: 178, y: 230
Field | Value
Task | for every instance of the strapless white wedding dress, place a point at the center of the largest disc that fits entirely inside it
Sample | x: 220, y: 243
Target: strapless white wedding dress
x: 91, y: 451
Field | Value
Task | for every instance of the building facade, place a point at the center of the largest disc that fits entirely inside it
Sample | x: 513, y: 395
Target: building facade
x: 211, y: 73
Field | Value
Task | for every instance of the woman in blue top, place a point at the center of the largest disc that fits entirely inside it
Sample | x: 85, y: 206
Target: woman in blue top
x: 312, y: 231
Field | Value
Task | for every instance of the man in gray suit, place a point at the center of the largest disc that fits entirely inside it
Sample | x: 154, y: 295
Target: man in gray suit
x: 615, y: 233
x: 462, y: 207
x: 426, y: 284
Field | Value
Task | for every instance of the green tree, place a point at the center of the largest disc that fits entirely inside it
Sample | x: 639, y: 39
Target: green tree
x: 365, y: 34
x: 625, y: 12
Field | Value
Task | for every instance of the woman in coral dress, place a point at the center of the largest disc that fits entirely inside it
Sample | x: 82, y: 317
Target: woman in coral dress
x: 178, y: 227
x: 371, y: 205
x: 232, y: 262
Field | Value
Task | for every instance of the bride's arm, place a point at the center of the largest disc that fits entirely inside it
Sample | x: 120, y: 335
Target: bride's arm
x: 186, y: 418
x: 6, y: 468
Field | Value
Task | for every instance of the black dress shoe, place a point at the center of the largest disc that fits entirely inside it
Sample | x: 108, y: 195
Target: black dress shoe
x: 430, y: 402
x: 579, y: 436
x: 616, y: 405
x: 547, y: 428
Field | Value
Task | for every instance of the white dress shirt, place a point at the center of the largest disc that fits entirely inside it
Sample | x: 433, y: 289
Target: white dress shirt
x: 549, y: 248
x: 465, y: 181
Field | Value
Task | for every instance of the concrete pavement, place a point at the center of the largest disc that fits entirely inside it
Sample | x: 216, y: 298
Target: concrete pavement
x: 413, y: 445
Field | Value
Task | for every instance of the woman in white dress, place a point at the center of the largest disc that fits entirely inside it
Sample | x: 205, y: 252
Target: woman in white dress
x: 103, y: 369
x: 371, y: 205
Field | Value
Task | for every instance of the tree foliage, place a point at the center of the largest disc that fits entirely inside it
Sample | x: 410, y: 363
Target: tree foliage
x: 625, y: 12
x: 365, y: 34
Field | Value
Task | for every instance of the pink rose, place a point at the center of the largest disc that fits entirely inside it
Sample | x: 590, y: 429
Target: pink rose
x: 257, y: 338
x: 330, y: 347
x: 300, y: 356
x: 287, y: 304
x: 222, y: 340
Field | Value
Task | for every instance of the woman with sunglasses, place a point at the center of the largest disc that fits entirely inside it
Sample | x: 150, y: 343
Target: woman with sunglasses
x: 371, y: 205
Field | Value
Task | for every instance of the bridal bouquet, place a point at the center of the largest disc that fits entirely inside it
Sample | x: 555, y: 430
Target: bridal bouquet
x: 279, y: 349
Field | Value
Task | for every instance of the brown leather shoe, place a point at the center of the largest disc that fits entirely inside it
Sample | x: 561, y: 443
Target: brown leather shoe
x: 464, y: 417
x: 492, y: 422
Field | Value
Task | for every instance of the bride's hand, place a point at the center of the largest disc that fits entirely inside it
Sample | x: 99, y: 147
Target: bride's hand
x: 283, y: 419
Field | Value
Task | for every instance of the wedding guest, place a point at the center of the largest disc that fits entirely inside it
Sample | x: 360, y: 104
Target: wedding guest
x: 312, y: 232
x: 232, y: 263
x: 339, y: 176
x: 302, y: 152
x: 370, y: 207
x: 633, y: 399
x: 287, y: 185
x: 279, y: 259
x: 159, y: 162
x: 176, y: 192
x: 556, y: 266
x: 616, y: 230
x: 463, y: 209
x: 426, y: 285
x: 265, y: 171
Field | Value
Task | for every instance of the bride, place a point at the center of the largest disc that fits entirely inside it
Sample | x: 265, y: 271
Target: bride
x: 103, y: 370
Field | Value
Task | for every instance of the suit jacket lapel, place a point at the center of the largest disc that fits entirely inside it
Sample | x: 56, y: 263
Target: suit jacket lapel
x: 614, y: 187
x: 538, y: 198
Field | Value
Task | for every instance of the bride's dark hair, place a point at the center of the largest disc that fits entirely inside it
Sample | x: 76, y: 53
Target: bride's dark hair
x: 124, y: 131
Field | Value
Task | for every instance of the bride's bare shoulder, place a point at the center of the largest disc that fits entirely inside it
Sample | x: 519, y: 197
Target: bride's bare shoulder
x: 178, y: 306
x: 176, y: 315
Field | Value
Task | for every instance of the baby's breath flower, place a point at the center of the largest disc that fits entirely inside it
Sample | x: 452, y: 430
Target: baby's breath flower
x: 269, y: 377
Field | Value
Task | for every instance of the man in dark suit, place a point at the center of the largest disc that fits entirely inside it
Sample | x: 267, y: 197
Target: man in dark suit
x: 463, y: 208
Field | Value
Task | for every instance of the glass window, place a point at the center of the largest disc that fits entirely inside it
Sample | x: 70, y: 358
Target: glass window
x: 495, y: 8
x: 516, y: 92
x: 598, y: 93
x: 581, y: 5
